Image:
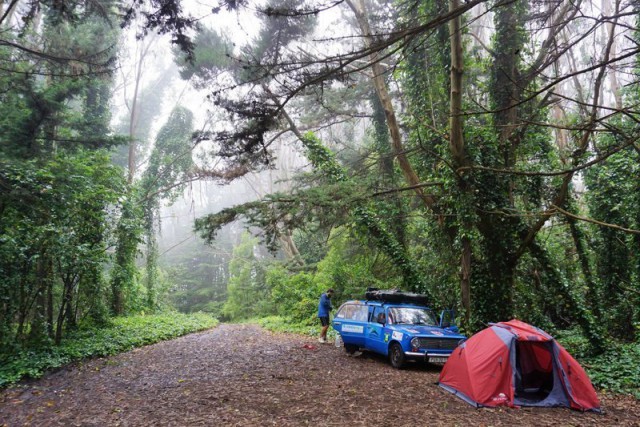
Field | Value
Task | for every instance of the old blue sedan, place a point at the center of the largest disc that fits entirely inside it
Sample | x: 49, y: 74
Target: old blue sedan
x: 400, y: 330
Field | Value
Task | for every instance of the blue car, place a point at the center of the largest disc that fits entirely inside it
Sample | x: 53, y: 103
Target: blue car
x: 400, y: 330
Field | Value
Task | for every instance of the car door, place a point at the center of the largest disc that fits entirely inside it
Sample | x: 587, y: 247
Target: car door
x: 448, y: 320
x: 351, y: 321
x: 375, y: 335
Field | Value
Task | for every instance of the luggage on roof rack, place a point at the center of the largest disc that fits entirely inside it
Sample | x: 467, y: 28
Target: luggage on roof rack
x: 395, y: 296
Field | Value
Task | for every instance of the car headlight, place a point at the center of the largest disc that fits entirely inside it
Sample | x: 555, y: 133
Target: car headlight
x: 415, y: 343
x: 461, y: 341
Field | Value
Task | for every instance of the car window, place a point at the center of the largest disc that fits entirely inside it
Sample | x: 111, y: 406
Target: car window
x: 412, y: 316
x: 356, y: 312
x: 378, y: 315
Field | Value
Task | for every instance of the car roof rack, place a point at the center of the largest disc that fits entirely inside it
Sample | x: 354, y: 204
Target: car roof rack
x: 396, y: 296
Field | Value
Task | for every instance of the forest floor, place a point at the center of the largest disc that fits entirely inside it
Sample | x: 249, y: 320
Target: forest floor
x: 242, y: 375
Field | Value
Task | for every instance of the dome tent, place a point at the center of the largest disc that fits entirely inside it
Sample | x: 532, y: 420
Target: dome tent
x: 515, y: 364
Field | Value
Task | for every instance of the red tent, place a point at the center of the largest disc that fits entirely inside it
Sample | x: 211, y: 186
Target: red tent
x: 516, y: 364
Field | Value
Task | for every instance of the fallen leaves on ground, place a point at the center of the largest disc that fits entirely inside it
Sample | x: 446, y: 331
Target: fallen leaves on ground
x: 241, y: 375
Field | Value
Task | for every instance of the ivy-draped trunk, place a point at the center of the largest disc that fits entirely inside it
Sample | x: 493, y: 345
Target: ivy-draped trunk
x: 459, y: 156
x: 396, y: 222
x: 495, y: 266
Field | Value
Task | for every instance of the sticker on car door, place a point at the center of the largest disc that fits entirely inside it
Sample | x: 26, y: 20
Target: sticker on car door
x: 356, y: 329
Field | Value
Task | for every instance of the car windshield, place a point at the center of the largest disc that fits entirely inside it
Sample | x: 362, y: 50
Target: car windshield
x: 412, y: 316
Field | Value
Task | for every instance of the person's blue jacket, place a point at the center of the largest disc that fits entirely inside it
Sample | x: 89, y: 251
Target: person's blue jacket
x: 324, y: 307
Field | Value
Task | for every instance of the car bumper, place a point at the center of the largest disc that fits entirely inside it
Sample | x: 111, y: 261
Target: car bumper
x: 428, y: 357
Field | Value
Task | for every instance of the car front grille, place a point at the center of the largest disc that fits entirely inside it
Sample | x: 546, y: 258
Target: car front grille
x: 438, y: 343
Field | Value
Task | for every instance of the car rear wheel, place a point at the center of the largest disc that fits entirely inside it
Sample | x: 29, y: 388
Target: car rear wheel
x: 396, y: 356
x: 350, y: 348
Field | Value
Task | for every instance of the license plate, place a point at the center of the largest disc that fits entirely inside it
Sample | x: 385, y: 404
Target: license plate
x: 437, y: 359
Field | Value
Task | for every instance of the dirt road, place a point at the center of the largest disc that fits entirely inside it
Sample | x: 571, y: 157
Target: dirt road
x: 241, y: 375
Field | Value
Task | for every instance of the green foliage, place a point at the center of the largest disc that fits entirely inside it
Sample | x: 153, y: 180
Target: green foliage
x: 295, y: 296
x: 212, y: 56
x: 350, y: 270
x: 54, y: 232
x: 122, y: 334
x: 58, y: 190
x: 170, y: 162
x: 247, y: 289
x: 345, y: 268
x: 366, y: 216
x: 614, y: 198
x: 614, y: 371
x: 124, y: 274
x: 165, y: 178
x: 198, y: 277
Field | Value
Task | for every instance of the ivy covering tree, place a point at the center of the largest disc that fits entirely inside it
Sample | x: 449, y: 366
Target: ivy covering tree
x: 491, y: 130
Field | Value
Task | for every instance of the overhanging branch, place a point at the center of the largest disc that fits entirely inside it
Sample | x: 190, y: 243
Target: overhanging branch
x: 593, y: 221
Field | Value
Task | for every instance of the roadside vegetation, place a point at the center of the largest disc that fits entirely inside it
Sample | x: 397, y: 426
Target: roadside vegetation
x: 120, y: 335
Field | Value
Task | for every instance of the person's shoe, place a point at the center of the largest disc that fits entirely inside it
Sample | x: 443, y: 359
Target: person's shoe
x: 322, y: 340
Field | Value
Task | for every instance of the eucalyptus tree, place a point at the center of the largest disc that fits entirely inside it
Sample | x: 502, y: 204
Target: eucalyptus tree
x: 143, y: 106
x: 506, y: 165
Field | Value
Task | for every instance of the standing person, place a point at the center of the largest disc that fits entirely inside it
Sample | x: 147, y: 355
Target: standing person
x: 324, y: 307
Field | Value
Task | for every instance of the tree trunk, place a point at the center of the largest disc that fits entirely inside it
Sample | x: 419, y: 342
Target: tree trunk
x: 38, y: 322
x: 458, y: 153
x: 50, y: 306
x: 610, y: 29
x: 60, y: 320
x: 593, y: 297
x: 69, y: 291
x: 152, y: 269
x: 7, y: 15
x: 22, y: 301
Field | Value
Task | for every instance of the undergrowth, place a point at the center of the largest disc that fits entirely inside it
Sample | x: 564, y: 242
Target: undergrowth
x: 122, y: 334
x: 616, y: 370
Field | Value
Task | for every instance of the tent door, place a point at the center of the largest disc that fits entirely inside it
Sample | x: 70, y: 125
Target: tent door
x: 534, y: 379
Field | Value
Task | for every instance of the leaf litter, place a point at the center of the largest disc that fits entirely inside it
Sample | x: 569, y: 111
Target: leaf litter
x: 241, y: 375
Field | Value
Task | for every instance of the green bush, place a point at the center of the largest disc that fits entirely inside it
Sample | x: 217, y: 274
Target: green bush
x: 574, y: 342
x: 122, y: 334
x: 616, y: 370
x: 295, y: 296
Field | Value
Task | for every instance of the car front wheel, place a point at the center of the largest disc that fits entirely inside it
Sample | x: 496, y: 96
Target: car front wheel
x: 396, y: 356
